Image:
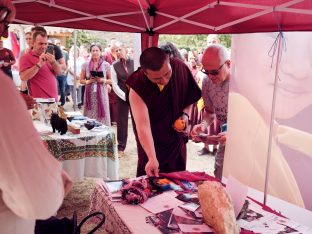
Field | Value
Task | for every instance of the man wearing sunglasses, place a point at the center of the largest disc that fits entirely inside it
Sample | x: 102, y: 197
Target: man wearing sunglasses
x: 32, y: 184
x: 216, y: 65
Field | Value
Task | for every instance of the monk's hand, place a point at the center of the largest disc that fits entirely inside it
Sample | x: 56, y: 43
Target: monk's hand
x: 152, y: 168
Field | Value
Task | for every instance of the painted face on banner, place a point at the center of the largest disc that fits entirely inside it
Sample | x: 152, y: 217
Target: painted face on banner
x: 254, y: 72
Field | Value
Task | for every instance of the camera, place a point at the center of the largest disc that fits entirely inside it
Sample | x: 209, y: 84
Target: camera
x: 50, y: 49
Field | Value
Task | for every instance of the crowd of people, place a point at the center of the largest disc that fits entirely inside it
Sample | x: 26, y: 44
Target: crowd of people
x: 164, y: 89
x: 48, y: 70
x: 104, y: 91
x: 169, y: 85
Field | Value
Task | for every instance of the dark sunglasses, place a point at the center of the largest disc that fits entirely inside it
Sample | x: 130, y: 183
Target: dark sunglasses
x: 212, y: 72
x: 4, y: 13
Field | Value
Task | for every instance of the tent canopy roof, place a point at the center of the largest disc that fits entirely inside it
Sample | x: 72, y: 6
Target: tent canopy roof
x: 171, y: 17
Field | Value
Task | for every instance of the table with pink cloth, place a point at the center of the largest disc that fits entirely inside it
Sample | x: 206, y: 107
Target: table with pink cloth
x: 123, y: 218
x: 88, y: 154
x: 120, y: 218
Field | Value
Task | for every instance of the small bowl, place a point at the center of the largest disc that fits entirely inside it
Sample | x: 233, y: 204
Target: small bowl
x: 89, y: 126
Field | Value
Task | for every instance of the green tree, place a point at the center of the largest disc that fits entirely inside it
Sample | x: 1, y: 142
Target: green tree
x: 85, y: 37
x: 190, y: 42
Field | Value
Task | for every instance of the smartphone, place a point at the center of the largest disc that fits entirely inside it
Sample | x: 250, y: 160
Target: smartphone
x: 50, y: 49
x: 93, y: 73
x: 202, y: 136
x: 100, y: 74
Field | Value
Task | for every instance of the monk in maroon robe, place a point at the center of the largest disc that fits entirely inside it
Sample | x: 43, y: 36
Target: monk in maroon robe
x: 159, y: 93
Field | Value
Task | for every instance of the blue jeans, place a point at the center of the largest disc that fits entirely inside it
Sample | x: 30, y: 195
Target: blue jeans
x: 78, y: 93
x: 61, y: 81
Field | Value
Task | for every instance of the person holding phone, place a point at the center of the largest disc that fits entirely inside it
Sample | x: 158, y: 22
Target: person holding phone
x: 216, y: 65
x: 7, y: 59
x: 39, y: 68
x: 95, y: 74
x: 58, y: 55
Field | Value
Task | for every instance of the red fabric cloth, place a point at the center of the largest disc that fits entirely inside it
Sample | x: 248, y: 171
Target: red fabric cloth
x: 15, y: 45
x: 189, y: 176
x: 206, y: 18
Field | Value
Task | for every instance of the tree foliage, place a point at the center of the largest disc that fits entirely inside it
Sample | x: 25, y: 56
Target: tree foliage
x: 85, y: 37
x: 190, y: 42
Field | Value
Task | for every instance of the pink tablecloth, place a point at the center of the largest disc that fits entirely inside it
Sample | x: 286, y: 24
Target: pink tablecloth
x: 120, y: 218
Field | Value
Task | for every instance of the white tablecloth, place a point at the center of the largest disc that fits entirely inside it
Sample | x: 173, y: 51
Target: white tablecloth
x: 91, y: 153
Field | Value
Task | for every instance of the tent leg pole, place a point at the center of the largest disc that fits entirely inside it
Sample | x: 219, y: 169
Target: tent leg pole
x: 267, y: 170
x: 75, y: 71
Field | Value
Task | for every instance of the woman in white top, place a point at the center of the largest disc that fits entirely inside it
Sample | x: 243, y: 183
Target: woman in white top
x: 71, y: 74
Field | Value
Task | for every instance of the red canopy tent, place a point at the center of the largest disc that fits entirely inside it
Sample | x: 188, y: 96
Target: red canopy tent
x: 154, y: 17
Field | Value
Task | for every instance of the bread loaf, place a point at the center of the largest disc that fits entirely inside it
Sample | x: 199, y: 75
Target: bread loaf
x: 217, y: 208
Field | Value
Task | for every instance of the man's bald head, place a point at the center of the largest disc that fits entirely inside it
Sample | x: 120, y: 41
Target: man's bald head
x: 216, y: 63
x: 216, y: 51
x: 213, y: 39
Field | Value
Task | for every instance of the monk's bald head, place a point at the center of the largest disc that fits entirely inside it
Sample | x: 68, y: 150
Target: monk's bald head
x: 153, y: 58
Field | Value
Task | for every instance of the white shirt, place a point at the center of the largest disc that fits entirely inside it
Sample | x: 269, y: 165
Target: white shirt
x: 121, y: 94
x: 79, y: 62
x: 31, y: 183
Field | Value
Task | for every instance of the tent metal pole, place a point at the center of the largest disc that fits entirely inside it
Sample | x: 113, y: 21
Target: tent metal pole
x: 75, y: 71
x: 258, y: 14
x: 144, y: 16
x: 184, y: 17
x: 272, y: 122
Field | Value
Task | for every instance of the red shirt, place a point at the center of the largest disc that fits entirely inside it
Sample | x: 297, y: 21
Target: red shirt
x: 7, y: 56
x: 43, y: 84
